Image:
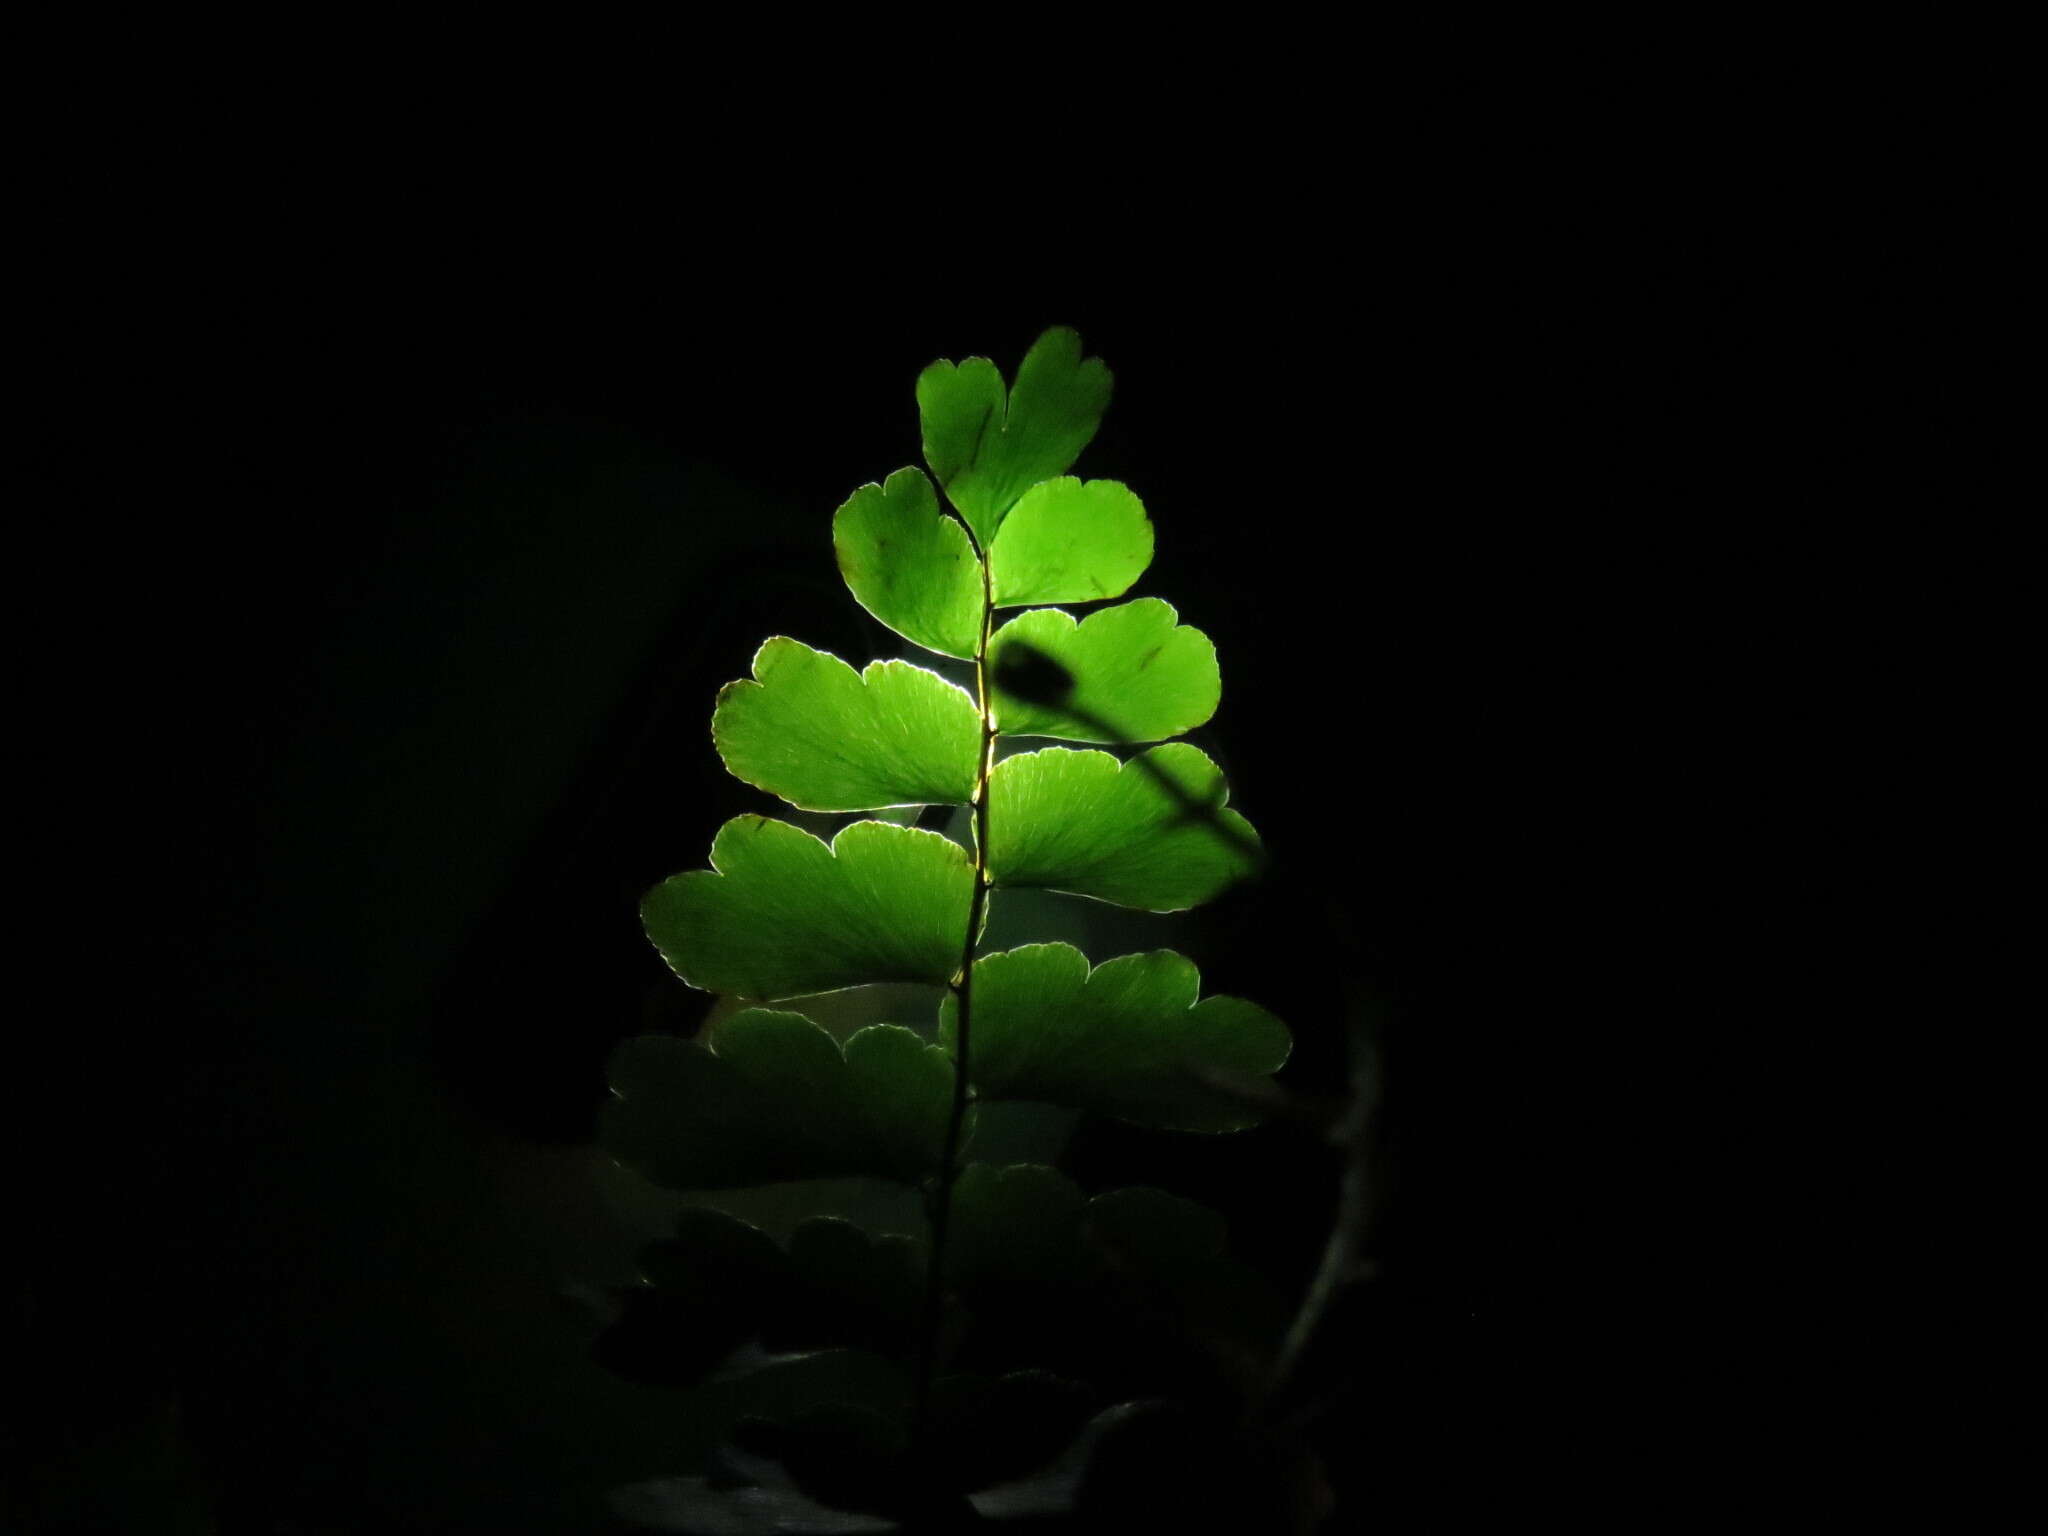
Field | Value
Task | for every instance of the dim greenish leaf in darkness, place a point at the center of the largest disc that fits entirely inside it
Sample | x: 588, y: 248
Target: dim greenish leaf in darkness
x: 774, y: 1098
x: 1020, y: 1219
x: 1127, y: 1039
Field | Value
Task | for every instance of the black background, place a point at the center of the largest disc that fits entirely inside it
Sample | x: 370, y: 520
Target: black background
x: 413, y: 548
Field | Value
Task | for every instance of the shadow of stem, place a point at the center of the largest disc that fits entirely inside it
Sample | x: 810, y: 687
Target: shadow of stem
x: 1030, y: 675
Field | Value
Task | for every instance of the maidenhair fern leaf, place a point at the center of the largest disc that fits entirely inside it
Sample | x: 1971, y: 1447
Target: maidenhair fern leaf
x: 827, y: 738
x: 767, y: 1096
x: 987, y: 447
x: 1070, y: 541
x: 1151, y: 833
x: 781, y: 914
x: 1136, y: 674
x: 774, y: 1098
x: 1020, y: 1220
x: 910, y: 565
x: 1127, y: 1038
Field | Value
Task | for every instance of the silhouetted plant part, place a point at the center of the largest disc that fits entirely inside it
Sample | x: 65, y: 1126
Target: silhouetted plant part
x: 904, y: 1397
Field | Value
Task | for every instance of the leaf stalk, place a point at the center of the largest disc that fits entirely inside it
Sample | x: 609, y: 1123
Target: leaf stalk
x: 932, y: 1315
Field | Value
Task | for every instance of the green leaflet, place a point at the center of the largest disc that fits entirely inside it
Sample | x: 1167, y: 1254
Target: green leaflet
x: 774, y: 1098
x: 986, y: 450
x: 1137, y: 674
x: 1028, y: 1228
x: 1070, y: 541
x: 1151, y: 833
x: 783, y: 915
x: 1126, y: 1039
x: 1036, y: 1274
x: 910, y: 565
x: 998, y: 1209
x: 827, y: 738
x: 1018, y: 1222
x: 1093, y: 1286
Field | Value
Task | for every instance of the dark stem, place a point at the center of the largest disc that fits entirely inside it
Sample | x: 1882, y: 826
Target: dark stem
x: 1340, y: 1265
x: 932, y: 1318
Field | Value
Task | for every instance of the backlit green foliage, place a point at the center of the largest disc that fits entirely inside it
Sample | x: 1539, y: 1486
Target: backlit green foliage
x: 1127, y: 1039
x: 1142, y: 834
x: 768, y: 1095
x: 1138, y: 676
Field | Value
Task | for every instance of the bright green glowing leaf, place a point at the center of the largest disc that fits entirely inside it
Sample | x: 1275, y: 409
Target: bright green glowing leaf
x: 1137, y: 674
x: 1127, y: 1039
x: 910, y: 565
x: 1151, y: 833
x: 780, y: 914
x: 1070, y: 541
x: 987, y: 451
x: 827, y: 738
x: 774, y: 1098
x: 960, y: 407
